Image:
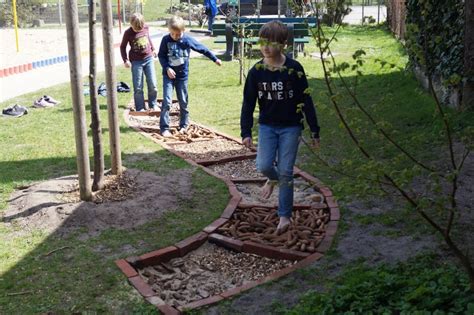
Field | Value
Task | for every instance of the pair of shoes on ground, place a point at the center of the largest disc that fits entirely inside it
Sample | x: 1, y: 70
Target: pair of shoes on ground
x: 122, y: 87
x: 15, y: 111
x: 45, y: 101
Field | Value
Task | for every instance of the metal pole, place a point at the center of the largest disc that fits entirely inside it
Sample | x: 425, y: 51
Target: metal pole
x: 363, y: 4
x: 118, y: 16
x: 60, y: 13
x: 279, y: 3
x: 123, y: 13
x: 378, y: 12
x: 189, y: 12
x: 15, y: 22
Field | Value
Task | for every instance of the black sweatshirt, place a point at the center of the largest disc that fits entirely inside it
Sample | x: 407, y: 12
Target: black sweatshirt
x: 279, y: 93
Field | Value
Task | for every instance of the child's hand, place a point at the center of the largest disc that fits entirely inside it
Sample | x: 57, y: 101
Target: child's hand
x: 155, y: 54
x: 315, y: 143
x: 127, y: 64
x: 248, y: 142
x: 218, y: 62
x: 171, y: 73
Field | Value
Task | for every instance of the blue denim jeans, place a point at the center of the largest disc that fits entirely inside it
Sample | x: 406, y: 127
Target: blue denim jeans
x: 140, y: 68
x: 210, y: 22
x: 182, y: 94
x: 280, y: 145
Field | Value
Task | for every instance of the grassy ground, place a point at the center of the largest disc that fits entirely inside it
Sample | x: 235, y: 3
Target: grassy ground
x: 41, y: 146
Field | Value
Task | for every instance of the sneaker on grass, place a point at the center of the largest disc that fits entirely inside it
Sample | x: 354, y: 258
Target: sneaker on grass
x: 51, y: 100
x: 15, y: 111
x: 42, y: 103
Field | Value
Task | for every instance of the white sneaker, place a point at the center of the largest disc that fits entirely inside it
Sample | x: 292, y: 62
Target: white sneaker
x: 51, y: 100
x: 183, y: 131
x: 166, y: 134
x: 156, y: 108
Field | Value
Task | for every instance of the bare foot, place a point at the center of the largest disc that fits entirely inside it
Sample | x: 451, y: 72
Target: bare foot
x: 267, y: 189
x: 283, y: 225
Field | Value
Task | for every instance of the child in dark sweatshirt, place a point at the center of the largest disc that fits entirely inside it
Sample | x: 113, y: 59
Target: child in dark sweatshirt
x: 279, y: 84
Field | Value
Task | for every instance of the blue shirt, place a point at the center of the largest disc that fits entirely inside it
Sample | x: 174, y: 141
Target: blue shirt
x: 175, y: 54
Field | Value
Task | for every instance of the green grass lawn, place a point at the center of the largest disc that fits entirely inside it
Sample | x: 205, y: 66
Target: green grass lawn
x: 40, y: 146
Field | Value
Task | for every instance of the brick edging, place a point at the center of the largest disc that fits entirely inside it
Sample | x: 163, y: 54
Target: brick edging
x: 128, y: 266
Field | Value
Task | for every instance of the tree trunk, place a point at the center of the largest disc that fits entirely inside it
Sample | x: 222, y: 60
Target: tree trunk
x: 110, y: 79
x: 98, y: 183
x: 468, y: 86
x: 75, y: 71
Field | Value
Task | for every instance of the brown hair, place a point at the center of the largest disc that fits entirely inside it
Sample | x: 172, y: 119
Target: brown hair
x: 274, y: 31
x: 137, y: 21
x: 176, y: 23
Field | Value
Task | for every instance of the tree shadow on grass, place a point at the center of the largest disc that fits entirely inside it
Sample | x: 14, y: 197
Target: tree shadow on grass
x: 71, y: 268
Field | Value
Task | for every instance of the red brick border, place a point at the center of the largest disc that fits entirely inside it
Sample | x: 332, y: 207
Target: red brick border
x: 127, y: 266
x: 191, y: 243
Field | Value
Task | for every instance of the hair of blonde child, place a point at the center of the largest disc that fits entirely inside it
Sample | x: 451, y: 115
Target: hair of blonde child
x: 176, y: 23
x: 137, y: 21
x: 274, y: 31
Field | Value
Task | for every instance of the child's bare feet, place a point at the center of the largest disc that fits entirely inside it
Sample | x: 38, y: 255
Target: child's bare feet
x: 267, y: 189
x: 283, y: 225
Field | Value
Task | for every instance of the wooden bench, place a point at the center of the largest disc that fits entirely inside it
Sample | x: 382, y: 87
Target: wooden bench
x: 228, y: 33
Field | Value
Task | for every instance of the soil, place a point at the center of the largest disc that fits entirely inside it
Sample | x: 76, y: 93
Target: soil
x: 52, y: 205
x: 128, y: 201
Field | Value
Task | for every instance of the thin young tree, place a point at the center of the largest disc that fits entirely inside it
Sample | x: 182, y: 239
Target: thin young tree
x: 438, y: 211
x: 110, y: 79
x: 96, y: 129
x: 468, y: 89
x: 75, y: 71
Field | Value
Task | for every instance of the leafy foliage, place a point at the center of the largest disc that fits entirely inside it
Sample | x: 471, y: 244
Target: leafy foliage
x: 435, y: 37
x: 25, y: 10
x: 421, y: 286
x: 182, y: 9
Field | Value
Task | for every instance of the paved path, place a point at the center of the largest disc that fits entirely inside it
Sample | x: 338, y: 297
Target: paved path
x: 50, y: 46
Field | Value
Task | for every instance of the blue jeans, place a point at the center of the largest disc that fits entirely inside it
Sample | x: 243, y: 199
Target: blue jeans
x: 210, y: 21
x: 280, y: 145
x: 182, y: 94
x: 139, y: 68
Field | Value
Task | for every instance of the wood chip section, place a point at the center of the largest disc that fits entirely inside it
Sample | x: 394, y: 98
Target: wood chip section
x: 205, y: 272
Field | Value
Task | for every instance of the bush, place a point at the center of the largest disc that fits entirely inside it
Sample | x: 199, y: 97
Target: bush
x: 26, y: 11
x: 421, y: 286
x: 182, y: 9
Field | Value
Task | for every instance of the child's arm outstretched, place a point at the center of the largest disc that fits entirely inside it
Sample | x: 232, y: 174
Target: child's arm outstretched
x: 200, y: 48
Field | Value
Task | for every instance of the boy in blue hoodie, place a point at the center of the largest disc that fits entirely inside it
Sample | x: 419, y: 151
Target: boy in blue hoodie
x: 174, y: 54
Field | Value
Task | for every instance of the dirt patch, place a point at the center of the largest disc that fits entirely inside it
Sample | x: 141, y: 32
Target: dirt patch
x: 207, y: 271
x: 54, y: 205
